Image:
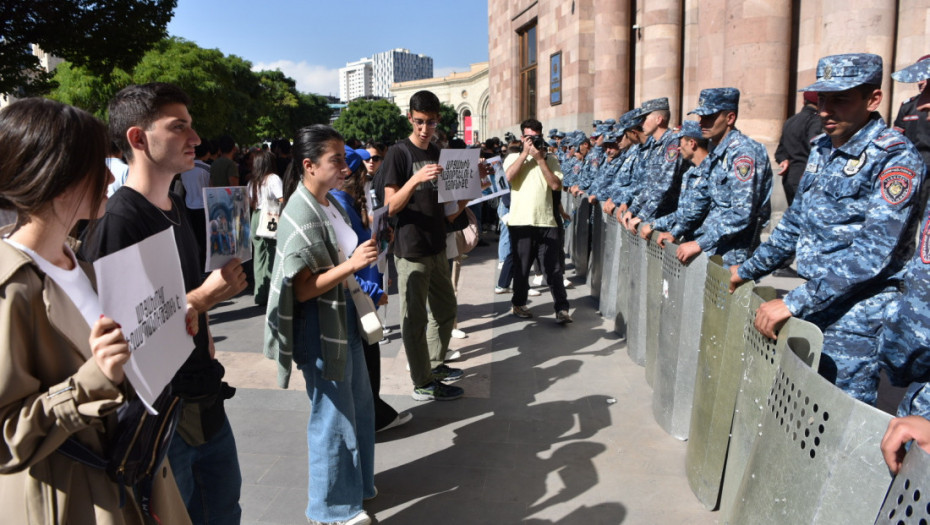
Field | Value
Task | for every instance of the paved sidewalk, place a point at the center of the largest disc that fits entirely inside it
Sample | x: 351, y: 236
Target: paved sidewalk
x: 556, y: 426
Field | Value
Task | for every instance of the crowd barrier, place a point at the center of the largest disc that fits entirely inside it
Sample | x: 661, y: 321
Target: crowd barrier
x: 769, y: 440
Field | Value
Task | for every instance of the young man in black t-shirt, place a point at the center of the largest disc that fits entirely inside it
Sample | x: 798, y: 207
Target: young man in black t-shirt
x: 151, y: 125
x: 409, y: 172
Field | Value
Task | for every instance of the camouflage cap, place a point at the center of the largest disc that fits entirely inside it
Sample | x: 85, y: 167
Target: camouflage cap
x: 690, y: 128
x: 610, y: 122
x: 596, y: 123
x: 600, y: 130
x: 656, y: 104
x: 560, y: 135
x: 553, y: 132
x: 552, y: 143
x: 714, y: 100
x: 916, y: 72
x: 611, y: 137
x: 630, y: 119
x: 842, y: 72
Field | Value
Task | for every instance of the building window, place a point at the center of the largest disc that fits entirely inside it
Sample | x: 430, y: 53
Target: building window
x: 527, y: 37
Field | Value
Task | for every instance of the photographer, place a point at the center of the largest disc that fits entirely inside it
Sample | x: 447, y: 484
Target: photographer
x: 535, y: 181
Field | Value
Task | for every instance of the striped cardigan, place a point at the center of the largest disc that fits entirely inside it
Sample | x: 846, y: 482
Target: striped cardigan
x: 306, y: 239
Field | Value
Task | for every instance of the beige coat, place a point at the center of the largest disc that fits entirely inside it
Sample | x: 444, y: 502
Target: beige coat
x: 50, y: 389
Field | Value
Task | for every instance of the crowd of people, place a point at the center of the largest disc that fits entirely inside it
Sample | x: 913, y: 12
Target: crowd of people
x: 852, y: 231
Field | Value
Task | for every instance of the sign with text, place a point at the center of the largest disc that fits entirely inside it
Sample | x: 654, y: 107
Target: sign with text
x: 459, y: 179
x: 141, y: 288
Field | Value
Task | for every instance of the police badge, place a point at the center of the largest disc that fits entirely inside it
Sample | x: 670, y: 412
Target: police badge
x: 896, y: 184
x: 743, y: 168
x: 854, y: 165
x: 671, y: 153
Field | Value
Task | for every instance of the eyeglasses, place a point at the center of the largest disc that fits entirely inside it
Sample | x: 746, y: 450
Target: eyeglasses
x: 376, y: 158
x: 428, y: 123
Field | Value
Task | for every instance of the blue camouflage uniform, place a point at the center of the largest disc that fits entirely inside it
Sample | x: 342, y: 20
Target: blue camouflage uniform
x: 592, y: 162
x: 608, y: 170
x: 694, y: 198
x: 661, y: 174
x: 740, y: 180
x: 904, y: 346
x: 851, y: 229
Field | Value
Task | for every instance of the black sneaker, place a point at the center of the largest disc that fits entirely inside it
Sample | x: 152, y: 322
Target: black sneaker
x: 445, y: 372
x: 437, y: 391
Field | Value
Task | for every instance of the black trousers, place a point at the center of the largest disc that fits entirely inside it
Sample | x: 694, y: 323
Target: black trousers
x: 528, y: 242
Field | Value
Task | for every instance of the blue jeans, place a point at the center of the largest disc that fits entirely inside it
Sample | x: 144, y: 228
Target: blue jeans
x: 503, y: 242
x: 341, y: 431
x: 208, y: 477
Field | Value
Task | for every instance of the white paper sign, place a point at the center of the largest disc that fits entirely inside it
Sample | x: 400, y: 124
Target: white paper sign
x: 498, y: 179
x: 229, y: 226
x: 459, y: 179
x: 141, y: 288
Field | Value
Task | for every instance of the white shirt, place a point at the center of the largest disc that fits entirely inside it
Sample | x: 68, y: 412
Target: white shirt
x: 272, y: 188
x: 74, y: 282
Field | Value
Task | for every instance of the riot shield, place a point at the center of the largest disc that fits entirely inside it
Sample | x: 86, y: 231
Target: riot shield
x: 907, y: 498
x: 654, y: 263
x: 596, y: 259
x: 636, y: 320
x: 582, y: 234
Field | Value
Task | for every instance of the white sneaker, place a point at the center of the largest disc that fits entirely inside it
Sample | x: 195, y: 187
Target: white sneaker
x: 567, y: 284
x: 537, y: 281
x: 533, y: 292
x: 453, y: 355
x: 360, y: 519
x: 500, y: 265
x: 501, y: 290
x: 458, y: 334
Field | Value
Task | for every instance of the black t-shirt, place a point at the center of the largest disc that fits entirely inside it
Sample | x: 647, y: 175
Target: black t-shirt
x: 131, y: 218
x: 421, y: 225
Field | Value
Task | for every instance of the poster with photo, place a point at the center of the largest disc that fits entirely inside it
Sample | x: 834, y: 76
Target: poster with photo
x: 499, y: 184
x: 229, y: 225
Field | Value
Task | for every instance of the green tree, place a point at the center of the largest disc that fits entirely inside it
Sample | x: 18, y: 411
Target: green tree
x: 286, y: 108
x: 101, y: 35
x: 448, y: 120
x: 372, y: 119
x: 77, y: 86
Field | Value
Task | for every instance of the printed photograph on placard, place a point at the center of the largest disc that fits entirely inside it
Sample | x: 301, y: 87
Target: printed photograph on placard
x: 228, y: 228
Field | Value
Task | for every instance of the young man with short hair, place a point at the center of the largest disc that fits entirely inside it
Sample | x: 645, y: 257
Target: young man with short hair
x: 151, y: 125
x: 410, y: 172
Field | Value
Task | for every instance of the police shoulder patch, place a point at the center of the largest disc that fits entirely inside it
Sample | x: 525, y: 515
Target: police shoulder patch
x: 671, y: 153
x: 897, y: 183
x: 925, y: 243
x: 911, y: 117
x: 744, y: 167
x: 576, y: 168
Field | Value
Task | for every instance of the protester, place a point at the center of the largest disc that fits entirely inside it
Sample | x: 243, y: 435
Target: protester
x: 152, y: 126
x: 311, y: 317
x: 62, y: 376
x: 265, y: 186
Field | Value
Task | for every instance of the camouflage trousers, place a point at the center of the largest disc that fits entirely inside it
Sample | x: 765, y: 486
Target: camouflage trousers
x: 850, y: 357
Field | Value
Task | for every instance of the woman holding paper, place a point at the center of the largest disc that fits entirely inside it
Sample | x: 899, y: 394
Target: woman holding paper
x: 311, y: 318
x: 61, y: 359
x: 352, y: 199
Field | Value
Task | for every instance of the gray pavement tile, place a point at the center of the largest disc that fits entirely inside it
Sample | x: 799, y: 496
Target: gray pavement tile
x: 255, y: 466
x: 255, y: 500
x: 287, y: 508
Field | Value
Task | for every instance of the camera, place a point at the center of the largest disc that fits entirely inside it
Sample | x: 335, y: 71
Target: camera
x: 540, y: 143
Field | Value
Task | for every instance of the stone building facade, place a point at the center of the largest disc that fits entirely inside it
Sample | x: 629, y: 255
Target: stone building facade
x: 616, y: 53
x: 567, y: 62
x: 467, y: 92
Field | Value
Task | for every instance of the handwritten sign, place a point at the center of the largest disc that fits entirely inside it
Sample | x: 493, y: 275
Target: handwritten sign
x: 459, y: 179
x: 141, y: 288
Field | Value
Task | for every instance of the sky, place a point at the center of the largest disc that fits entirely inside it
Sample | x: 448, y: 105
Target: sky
x: 309, y: 40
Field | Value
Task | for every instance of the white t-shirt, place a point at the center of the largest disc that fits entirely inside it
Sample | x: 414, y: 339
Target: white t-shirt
x: 345, y: 235
x: 272, y: 188
x: 74, y: 282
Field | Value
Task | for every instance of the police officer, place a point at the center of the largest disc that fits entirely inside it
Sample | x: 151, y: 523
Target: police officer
x: 610, y: 166
x: 625, y: 185
x: 740, y: 183
x: 658, y: 194
x: 912, y: 117
x: 851, y: 225
x: 694, y: 197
